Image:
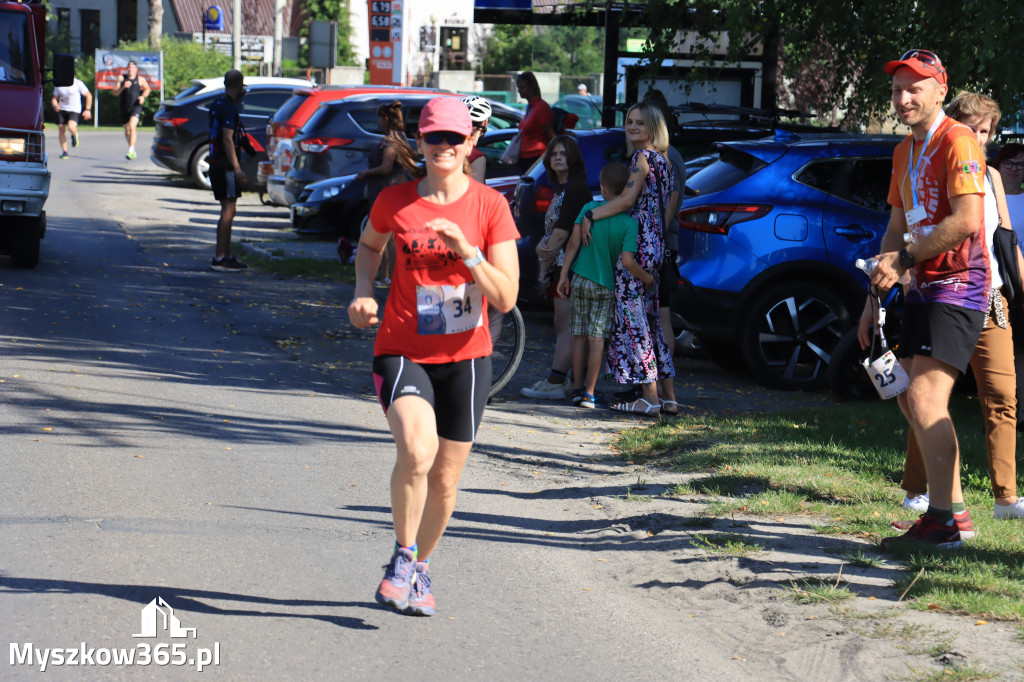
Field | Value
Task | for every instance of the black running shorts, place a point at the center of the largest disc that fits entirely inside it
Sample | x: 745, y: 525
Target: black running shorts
x: 135, y: 111
x: 223, y: 181
x: 948, y: 333
x: 64, y: 116
x: 456, y: 390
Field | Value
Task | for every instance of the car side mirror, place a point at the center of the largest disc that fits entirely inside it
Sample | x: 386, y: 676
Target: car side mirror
x: 63, y: 70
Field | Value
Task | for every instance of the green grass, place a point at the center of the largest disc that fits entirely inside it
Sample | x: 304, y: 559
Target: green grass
x: 726, y: 544
x: 815, y: 591
x: 954, y: 673
x: 311, y: 268
x: 839, y: 467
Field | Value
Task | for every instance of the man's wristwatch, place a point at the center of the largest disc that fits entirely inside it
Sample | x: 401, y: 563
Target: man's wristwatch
x: 907, y: 261
x: 589, y: 215
x: 475, y: 260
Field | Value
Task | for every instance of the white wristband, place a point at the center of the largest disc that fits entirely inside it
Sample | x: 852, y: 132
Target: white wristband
x: 475, y: 260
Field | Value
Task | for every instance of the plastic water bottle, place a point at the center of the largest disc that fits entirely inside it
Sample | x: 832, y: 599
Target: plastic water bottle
x: 866, y: 265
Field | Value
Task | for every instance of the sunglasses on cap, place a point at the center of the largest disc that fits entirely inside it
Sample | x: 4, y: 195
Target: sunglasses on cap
x: 439, y: 136
x: 926, y: 57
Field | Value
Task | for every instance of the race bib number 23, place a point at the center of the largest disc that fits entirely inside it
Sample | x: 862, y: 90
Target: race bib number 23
x: 449, y: 309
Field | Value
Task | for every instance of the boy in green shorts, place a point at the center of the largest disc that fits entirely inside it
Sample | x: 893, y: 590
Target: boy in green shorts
x: 592, y: 304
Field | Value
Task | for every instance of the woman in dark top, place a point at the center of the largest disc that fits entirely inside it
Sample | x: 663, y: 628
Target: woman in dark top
x: 568, y: 176
x: 390, y: 164
x: 537, y: 128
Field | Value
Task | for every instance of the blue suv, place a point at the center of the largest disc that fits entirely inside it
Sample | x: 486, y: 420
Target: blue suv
x: 767, y: 241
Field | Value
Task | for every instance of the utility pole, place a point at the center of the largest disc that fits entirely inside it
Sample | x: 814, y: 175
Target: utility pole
x: 278, y: 35
x: 236, y: 34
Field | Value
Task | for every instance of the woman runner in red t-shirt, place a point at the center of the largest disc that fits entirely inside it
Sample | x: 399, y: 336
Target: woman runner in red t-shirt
x: 456, y: 253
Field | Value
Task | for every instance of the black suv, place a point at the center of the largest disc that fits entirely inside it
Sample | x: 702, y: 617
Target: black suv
x: 182, y: 138
x: 339, y: 138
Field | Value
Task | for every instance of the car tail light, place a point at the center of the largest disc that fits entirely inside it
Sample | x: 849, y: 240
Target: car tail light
x: 318, y: 145
x: 169, y: 121
x: 285, y: 130
x: 254, y: 142
x: 286, y: 161
x: 718, y: 218
x: 542, y: 199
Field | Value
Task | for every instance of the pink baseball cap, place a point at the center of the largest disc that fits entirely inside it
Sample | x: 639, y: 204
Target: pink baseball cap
x: 446, y: 114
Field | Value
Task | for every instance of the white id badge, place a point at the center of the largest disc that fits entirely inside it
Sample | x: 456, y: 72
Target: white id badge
x: 916, y: 215
x: 887, y: 375
x: 448, y: 309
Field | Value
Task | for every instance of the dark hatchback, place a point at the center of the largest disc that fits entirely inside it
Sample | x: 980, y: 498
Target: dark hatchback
x: 182, y: 138
x: 338, y: 139
x: 337, y: 205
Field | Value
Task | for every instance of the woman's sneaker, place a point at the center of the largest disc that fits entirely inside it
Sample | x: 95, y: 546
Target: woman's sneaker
x: 545, y: 390
x: 1012, y: 511
x: 397, y: 583
x: 421, y: 599
x: 227, y: 264
x: 918, y: 503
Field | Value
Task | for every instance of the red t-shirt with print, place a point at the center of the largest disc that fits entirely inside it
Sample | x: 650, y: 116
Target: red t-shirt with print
x: 434, y: 312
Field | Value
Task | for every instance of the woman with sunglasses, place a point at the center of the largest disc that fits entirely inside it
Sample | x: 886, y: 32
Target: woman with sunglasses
x: 456, y: 255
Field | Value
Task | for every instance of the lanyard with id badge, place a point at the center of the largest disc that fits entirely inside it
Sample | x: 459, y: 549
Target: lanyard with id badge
x: 886, y: 373
x: 918, y: 213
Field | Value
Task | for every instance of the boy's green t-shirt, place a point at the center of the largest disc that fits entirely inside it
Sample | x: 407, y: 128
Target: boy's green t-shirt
x: 609, y: 238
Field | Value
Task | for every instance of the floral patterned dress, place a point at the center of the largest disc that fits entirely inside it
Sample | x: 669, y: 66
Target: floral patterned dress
x: 637, y: 350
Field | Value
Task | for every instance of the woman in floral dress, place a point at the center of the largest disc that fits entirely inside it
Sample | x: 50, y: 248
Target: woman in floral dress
x: 637, y: 350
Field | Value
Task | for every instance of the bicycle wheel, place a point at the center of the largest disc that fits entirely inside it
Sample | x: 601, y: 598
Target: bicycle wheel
x: 508, y: 335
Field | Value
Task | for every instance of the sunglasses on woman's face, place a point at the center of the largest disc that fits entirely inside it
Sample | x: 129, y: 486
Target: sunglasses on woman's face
x: 454, y: 139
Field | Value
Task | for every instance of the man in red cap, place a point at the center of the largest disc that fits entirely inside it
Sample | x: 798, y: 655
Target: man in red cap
x: 936, y: 193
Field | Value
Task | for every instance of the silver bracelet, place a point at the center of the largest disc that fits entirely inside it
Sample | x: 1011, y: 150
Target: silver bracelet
x: 475, y: 260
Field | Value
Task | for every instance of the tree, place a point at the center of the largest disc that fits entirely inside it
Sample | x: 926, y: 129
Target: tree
x: 570, y: 50
x: 330, y: 10
x: 845, y: 43
x: 156, y: 23
x: 507, y: 48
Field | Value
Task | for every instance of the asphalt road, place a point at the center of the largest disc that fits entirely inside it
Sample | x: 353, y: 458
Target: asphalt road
x: 156, y: 444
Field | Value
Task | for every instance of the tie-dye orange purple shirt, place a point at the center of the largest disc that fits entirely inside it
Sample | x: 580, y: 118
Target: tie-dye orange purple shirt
x: 953, y: 165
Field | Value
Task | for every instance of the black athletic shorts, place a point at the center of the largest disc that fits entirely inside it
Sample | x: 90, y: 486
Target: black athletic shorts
x: 223, y: 181
x: 64, y: 116
x: 126, y: 115
x: 948, y: 333
x: 456, y: 390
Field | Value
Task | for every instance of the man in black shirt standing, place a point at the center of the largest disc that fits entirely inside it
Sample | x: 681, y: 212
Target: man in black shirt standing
x: 226, y: 176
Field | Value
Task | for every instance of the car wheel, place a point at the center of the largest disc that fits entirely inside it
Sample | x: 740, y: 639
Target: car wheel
x: 199, y: 167
x: 25, y: 249
x: 790, y: 334
x: 846, y: 376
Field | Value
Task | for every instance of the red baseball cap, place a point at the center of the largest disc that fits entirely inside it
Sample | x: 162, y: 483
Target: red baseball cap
x: 924, y: 63
x: 446, y: 114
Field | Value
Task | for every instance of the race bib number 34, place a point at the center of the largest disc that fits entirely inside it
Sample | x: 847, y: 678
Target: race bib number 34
x: 449, y: 309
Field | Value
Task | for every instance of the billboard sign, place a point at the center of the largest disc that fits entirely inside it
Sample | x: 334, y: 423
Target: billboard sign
x: 110, y: 64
